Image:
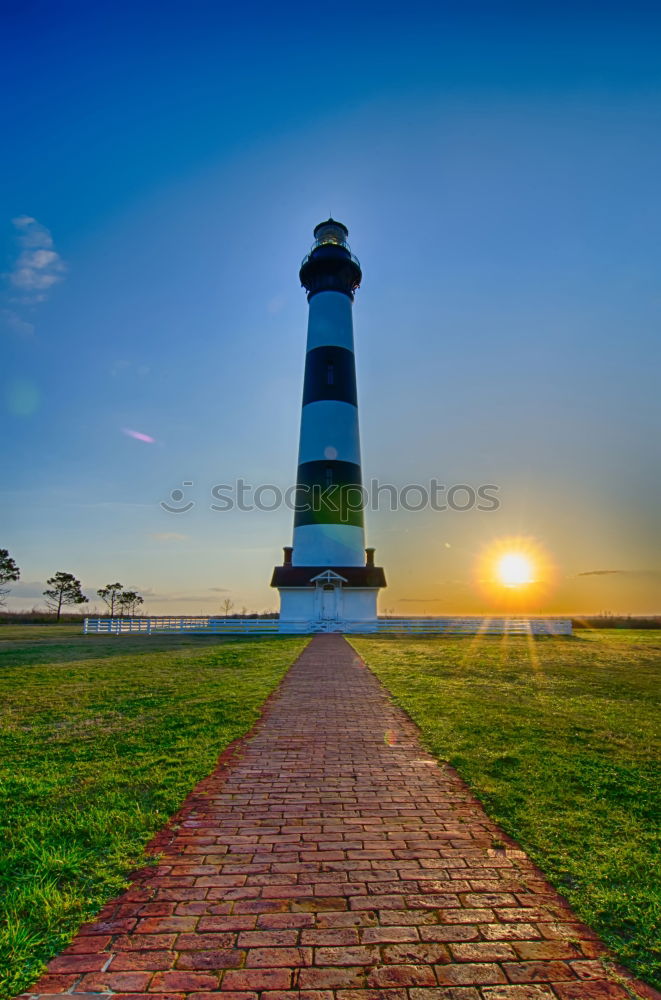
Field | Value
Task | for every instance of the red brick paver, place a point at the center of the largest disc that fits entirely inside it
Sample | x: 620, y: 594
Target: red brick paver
x: 331, y: 858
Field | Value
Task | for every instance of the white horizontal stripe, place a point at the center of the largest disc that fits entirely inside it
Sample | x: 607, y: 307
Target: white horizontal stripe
x: 328, y: 545
x: 330, y: 321
x: 329, y: 430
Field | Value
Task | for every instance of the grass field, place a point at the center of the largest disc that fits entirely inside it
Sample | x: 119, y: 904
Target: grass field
x: 102, y: 738
x: 100, y: 741
x: 560, y: 741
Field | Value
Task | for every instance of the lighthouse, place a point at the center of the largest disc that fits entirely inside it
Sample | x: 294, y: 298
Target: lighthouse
x: 328, y: 577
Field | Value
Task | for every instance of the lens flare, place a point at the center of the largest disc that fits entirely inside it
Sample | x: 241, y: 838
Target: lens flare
x: 22, y: 397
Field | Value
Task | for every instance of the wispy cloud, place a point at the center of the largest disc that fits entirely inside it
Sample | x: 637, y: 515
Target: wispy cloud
x: 219, y: 590
x: 154, y: 595
x: 602, y: 572
x: 38, y: 266
x: 621, y: 572
x: 15, y: 323
x: 139, y: 435
x: 177, y: 598
x: 168, y: 536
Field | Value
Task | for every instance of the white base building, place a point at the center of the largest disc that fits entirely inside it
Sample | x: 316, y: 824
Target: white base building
x: 328, y: 596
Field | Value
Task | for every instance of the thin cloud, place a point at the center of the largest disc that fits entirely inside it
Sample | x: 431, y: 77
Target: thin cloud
x: 153, y: 595
x: 38, y: 266
x: 138, y: 435
x: 34, y: 236
x: 621, y: 572
x: 602, y: 572
x: 168, y: 536
x: 219, y: 590
x: 15, y: 323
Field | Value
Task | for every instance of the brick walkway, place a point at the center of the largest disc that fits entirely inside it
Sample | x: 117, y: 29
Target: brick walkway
x: 331, y: 857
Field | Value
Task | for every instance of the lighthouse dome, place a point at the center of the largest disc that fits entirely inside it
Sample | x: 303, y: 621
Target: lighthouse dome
x: 330, y: 231
x: 330, y: 265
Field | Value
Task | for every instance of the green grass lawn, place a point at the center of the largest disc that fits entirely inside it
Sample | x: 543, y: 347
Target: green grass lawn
x: 559, y: 738
x: 100, y: 741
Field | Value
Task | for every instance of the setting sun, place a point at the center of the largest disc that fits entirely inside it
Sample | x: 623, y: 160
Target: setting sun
x: 514, y: 569
x: 514, y: 572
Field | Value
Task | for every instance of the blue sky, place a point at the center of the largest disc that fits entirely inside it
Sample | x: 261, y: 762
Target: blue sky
x: 498, y: 171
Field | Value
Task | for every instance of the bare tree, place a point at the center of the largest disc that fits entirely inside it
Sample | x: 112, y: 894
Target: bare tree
x: 63, y: 589
x: 110, y: 596
x: 128, y: 602
x: 9, y: 573
x: 227, y: 606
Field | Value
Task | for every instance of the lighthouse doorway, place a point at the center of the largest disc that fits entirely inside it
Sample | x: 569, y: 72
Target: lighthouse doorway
x: 329, y: 602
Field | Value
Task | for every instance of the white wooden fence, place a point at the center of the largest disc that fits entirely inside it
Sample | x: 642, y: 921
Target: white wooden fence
x: 275, y: 626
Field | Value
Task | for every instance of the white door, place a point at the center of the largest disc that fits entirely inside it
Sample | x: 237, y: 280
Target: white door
x: 329, y: 603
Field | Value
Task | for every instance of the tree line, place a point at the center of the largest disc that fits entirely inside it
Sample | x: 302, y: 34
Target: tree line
x: 64, y: 590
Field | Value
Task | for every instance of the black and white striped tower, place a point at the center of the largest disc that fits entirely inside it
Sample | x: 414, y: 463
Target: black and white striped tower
x: 328, y: 574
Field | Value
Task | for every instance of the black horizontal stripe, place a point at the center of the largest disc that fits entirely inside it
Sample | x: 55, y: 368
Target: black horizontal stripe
x: 330, y: 373
x: 328, y: 493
